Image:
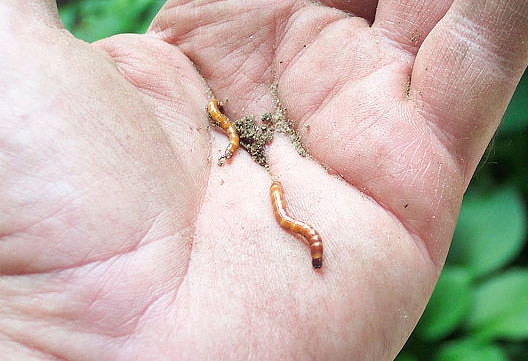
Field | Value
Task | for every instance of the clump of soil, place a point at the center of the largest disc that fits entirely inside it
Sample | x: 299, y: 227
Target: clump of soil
x: 254, y: 137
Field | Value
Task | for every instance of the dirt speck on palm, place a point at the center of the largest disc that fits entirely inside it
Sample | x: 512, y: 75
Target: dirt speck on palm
x: 283, y: 125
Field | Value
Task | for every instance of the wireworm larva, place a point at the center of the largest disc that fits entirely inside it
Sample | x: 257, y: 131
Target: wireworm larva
x: 298, y: 227
x: 213, y: 107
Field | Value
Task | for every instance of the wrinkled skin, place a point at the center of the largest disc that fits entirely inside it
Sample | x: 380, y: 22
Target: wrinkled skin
x: 120, y: 237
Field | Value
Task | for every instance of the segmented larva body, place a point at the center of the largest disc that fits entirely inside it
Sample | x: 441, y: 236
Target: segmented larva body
x: 298, y: 227
x: 213, y: 107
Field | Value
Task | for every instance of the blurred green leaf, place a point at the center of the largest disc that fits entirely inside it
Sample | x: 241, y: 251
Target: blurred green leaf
x: 490, y: 232
x: 501, y: 307
x: 97, y: 19
x: 448, y: 305
x: 516, y: 117
x: 471, y: 351
x: 68, y: 16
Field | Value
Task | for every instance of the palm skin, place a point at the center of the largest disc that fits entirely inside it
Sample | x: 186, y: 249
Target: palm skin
x: 122, y: 239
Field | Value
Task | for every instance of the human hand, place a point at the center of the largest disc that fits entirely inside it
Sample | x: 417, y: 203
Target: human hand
x: 122, y: 239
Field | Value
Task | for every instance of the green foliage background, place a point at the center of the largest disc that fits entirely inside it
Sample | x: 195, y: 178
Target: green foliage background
x: 479, y: 310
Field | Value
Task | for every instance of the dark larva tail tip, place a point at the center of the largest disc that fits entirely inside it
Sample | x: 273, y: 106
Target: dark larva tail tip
x: 317, y: 262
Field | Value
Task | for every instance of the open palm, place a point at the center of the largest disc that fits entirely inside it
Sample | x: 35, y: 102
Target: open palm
x: 120, y: 237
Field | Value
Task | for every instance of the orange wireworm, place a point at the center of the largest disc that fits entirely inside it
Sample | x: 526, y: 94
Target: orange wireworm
x: 213, y: 107
x: 298, y: 227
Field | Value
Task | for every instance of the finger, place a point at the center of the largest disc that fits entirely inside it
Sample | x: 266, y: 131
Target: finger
x: 466, y: 72
x: 235, y: 45
x: 230, y: 42
x: 409, y: 22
